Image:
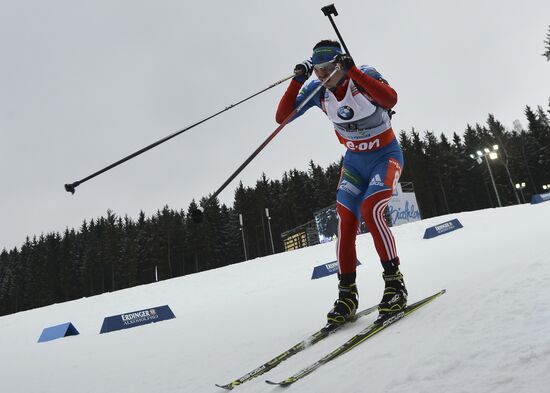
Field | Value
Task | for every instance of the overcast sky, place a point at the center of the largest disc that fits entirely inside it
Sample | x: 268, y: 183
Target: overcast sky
x: 85, y: 83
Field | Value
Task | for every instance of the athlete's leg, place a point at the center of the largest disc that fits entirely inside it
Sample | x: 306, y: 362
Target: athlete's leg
x: 384, y: 178
x: 348, y: 199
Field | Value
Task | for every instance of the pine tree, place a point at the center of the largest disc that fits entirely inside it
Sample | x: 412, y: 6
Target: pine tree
x: 534, y: 145
x: 214, y: 254
x: 419, y: 165
x: 438, y: 165
x: 230, y: 235
x: 323, y: 194
x: 194, y: 241
x: 508, y: 155
x: 145, y: 272
x: 333, y: 173
x: 461, y: 176
x: 298, y: 193
x: 166, y: 221
x: 6, y: 283
x: 14, y: 284
x: 547, y: 42
x: 242, y: 205
x: 259, y: 204
x: 128, y: 254
x: 69, y: 260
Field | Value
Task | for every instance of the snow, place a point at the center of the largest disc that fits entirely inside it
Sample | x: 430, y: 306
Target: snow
x: 489, y: 333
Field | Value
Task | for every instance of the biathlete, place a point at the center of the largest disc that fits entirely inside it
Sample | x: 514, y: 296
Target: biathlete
x: 358, y: 101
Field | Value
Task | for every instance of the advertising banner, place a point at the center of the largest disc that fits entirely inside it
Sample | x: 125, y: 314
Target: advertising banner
x: 403, y: 207
x: 326, y: 270
x: 442, y: 228
x: 136, y: 318
x: 539, y: 198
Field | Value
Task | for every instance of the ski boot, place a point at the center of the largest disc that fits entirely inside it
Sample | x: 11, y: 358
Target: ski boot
x: 346, y: 305
x: 395, y: 293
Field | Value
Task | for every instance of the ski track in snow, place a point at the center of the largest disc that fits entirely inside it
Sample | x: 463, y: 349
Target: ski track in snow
x: 500, y: 343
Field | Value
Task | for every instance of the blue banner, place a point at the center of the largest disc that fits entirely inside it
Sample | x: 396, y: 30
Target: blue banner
x: 57, y: 331
x: 326, y: 270
x: 136, y: 318
x: 441, y: 229
x: 539, y: 198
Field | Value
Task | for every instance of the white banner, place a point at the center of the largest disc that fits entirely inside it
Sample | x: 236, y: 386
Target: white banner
x: 403, y: 207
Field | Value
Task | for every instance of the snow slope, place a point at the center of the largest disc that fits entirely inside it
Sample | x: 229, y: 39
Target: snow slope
x: 489, y: 333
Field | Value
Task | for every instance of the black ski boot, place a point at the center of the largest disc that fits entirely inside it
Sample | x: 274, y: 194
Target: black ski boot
x: 346, y: 305
x: 395, y: 293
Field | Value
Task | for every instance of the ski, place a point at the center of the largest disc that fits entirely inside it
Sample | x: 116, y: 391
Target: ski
x: 374, y: 328
x: 312, y: 339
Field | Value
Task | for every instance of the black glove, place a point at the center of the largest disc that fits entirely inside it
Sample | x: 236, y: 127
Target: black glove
x: 345, y: 61
x: 303, y: 70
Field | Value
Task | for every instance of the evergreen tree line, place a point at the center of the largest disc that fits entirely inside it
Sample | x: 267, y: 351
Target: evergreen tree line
x: 111, y: 253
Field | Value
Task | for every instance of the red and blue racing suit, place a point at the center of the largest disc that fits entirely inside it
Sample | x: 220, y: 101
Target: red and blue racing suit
x: 358, y: 108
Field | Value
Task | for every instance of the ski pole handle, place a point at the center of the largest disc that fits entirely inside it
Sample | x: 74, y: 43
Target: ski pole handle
x: 330, y: 10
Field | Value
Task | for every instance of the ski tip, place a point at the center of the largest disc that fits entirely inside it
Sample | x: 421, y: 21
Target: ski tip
x: 226, y: 387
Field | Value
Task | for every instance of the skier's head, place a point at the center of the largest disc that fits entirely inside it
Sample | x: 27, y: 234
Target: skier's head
x: 325, y: 51
x: 322, y: 58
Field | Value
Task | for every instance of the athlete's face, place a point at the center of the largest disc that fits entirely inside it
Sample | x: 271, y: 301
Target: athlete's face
x: 323, y: 72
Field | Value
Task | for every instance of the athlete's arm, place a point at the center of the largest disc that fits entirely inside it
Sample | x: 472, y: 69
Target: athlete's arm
x: 286, y: 105
x: 294, y: 95
x: 375, y: 86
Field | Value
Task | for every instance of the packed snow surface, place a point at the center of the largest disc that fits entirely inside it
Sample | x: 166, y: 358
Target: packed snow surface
x: 489, y: 333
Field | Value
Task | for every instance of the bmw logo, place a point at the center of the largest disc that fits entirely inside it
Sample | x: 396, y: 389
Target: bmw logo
x: 345, y: 112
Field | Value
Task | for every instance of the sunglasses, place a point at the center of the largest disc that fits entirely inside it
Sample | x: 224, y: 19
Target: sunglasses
x: 328, y: 66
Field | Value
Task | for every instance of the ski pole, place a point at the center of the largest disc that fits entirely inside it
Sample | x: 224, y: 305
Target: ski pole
x: 71, y: 187
x: 197, y: 215
x: 330, y: 10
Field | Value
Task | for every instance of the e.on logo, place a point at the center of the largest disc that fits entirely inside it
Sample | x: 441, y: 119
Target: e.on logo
x: 363, y: 146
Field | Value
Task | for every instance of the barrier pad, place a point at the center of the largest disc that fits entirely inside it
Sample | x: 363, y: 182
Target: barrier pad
x: 539, y: 198
x: 136, y: 318
x: 327, y: 269
x: 442, y: 228
x: 58, y: 331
